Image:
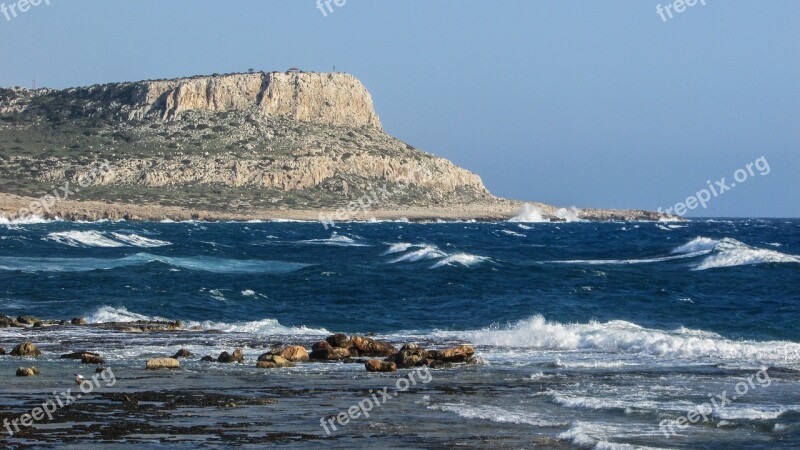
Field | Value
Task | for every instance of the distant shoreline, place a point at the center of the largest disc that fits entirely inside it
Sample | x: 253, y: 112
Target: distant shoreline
x: 491, y: 212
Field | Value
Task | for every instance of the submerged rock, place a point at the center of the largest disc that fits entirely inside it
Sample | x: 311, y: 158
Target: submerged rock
x: 26, y: 349
x: 236, y: 357
x: 79, y: 355
x: 27, y: 372
x: 92, y: 359
x: 78, y: 321
x: 267, y: 361
x: 183, y: 353
x: 162, y: 363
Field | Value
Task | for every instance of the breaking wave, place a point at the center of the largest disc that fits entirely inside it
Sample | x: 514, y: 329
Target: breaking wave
x: 198, y: 263
x: 105, y: 240
x: 623, y: 337
x: 336, y: 240
x: 109, y: 314
x: 427, y: 252
x: 528, y: 214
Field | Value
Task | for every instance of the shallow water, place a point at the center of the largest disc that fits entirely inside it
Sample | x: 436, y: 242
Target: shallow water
x: 593, y: 333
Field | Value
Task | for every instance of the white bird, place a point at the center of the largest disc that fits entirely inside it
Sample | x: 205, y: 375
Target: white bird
x: 79, y: 378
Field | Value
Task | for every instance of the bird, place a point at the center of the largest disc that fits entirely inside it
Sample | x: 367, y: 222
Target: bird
x: 79, y: 379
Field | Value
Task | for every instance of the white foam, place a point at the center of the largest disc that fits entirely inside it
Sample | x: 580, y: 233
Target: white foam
x: 733, y: 413
x: 620, y: 337
x: 399, y: 247
x: 462, y: 259
x: 425, y: 252
x: 336, y: 240
x: 110, y: 314
x: 495, y: 414
x: 569, y: 215
x: 139, y: 241
x: 83, y: 239
x: 29, y: 220
x: 528, y: 214
x: 698, y: 244
x: 729, y: 252
x: 512, y: 233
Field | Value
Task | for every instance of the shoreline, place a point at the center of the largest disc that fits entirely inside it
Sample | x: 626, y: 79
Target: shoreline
x: 501, y: 210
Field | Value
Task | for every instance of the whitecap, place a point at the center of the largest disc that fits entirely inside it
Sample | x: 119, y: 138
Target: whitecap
x: 462, y: 259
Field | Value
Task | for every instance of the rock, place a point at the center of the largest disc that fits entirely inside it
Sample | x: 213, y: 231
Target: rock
x: 38, y: 324
x: 207, y: 359
x: 79, y: 355
x: 330, y: 353
x: 27, y: 371
x: 339, y: 340
x: 183, y: 353
x: 2, y: 351
x: 78, y: 321
x: 267, y: 361
x: 237, y: 357
x: 457, y: 354
x: 5, y: 322
x: 293, y: 353
x: 321, y: 345
x: 411, y: 355
x: 27, y: 320
x: 376, y: 365
x: 26, y: 349
x: 101, y: 369
x: 163, y: 363
x: 370, y: 347
x: 92, y: 359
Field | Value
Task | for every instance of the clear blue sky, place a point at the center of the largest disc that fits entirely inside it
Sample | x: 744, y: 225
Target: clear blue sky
x: 586, y: 103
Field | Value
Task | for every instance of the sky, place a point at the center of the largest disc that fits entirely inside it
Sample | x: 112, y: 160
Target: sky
x: 573, y: 103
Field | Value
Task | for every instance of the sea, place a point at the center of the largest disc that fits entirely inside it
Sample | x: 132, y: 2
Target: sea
x: 618, y: 335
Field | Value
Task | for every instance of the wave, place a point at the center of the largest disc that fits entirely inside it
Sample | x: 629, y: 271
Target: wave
x: 198, y: 263
x: 462, y: 259
x: 728, y: 252
x: 620, y: 337
x: 495, y: 414
x: 103, y: 240
x: 733, y: 413
x: 528, y: 214
x: 425, y: 252
x: 569, y: 215
x: 337, y: 240
x: 30, y: 220
x: 110, y: 314
x: 630, y: 261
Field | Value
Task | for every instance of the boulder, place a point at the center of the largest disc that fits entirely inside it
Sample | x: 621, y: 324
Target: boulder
x: 2, y: 351
x: 38, y: 324
x: 207, y: 359
x: 163, y: 363
x: 339, y: 340
x: 5, y: 322
x: 78, y: 321
x: 92, y: 359
x: 376, y: 365
x: 456, y: 354
x: 293, y: 353
x: 183, y: 353
x: 329, y: 353
x: 411, y: 355
x: 26, y: 349
x: 370, y: 347
x: 267, y: 361
x: 78, y: 355
x: 27, y: 371
x: 236, y: 357
x: 27, y: 320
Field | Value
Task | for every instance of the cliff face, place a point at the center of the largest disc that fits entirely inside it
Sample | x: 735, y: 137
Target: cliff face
x: 325, y: 98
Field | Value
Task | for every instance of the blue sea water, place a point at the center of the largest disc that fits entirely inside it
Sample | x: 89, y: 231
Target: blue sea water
x: 618, y: 325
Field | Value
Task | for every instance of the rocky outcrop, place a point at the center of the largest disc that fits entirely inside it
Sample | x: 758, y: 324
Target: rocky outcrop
x: 162, y: 363
x: 26, y: 349
x: 272, y: 362
x: 27, y: 371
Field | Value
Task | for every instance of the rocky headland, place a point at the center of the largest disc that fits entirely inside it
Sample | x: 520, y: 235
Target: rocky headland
x: 229, y: 147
